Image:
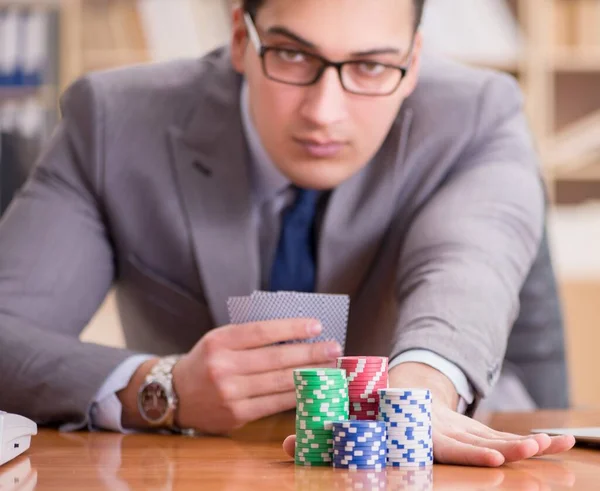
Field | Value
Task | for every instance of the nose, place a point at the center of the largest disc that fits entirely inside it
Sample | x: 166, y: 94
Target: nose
x: 325, y: 101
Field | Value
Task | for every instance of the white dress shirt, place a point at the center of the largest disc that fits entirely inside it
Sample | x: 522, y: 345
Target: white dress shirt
x: 272, y: 194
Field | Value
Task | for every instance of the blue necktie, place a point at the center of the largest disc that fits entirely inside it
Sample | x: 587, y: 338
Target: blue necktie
x: 294, y: 267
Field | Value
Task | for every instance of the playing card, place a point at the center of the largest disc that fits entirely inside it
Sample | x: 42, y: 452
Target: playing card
x: 238, y: 309
x: 331, y: 310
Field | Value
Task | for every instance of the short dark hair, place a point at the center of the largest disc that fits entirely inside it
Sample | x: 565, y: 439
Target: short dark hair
x: 252, y: 6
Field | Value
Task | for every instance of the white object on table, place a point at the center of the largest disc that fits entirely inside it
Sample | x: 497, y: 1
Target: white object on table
x: 15, y: 435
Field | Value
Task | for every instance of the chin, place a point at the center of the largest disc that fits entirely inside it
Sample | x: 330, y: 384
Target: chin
x: 320, y: 178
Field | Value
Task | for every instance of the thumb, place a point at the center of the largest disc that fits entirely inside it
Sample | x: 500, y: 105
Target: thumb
x: 289, y: 445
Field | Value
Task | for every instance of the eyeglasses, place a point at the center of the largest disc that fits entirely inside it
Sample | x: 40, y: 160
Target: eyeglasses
x: 297, y: 67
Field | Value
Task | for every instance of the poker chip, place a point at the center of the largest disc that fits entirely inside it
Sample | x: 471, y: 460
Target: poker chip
x: 407, y: 416
x: 359, y: 445
x: 321, y: 399
x: 366, y: 375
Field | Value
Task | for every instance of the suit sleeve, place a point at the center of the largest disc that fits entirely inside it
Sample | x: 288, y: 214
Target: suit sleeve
x: 56, y: 266
x: 472, y: 244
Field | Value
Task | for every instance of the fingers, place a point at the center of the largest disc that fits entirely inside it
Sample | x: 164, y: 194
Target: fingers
x: 512, y: 450
x: 289, y: 446
x: 483, y: 431
x: 294, y: 355
x: 450, y: 451
x: 258, y: 334
x: 559, y: 444
x: 547, y: 445
x: 260, y: 407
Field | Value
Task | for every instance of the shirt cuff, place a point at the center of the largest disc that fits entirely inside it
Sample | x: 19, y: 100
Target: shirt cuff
x: 449, y: 369
x: 106, y: 409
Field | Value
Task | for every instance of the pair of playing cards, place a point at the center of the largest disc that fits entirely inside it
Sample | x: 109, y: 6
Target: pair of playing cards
x: 331, y: 310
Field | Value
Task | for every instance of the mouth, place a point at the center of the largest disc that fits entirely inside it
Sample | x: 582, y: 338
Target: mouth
x: 321, y: 148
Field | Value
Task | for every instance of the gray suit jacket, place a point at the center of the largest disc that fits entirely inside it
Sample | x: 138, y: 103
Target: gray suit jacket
x: 145, y: 184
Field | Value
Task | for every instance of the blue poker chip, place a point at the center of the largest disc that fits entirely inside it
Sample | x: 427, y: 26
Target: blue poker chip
x: 397, y: 432
x: 362, y: 448
x: 401, y: 424
x: 404, y: 414
x: 412, y: 438
x: 365, y: 440
x: 400, y: 393
x: 338, y: 453
x: 404, y: 446
x: 361, y: 462
x: 360, y: 438
x: 409, y: 431
x: 389, y: 405
x: 400, y: 454
x: 409, y: 464
x: 411, y: 460
x: 362, y: 424
x: 404, y: 420
x: 377, y: 467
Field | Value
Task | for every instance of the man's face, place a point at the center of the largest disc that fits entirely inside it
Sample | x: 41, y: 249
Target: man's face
x: 320, y: 135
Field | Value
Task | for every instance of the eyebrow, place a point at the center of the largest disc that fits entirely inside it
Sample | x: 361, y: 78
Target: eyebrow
x: 282, y: 31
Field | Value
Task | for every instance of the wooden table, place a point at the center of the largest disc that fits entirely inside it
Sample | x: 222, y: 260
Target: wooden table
x: 253, y: 459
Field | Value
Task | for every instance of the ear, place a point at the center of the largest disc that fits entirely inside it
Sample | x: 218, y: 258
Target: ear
x: 239, y: 40
x: 412, y: 77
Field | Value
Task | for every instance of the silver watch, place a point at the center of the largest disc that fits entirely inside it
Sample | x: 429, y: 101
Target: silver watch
x: 157, y: 400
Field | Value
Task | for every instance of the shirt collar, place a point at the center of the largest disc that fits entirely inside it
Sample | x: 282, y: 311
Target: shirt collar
x: 267, y: 180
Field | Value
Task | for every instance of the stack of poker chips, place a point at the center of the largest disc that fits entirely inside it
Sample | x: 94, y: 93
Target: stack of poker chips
x: 366, y: 375
x: 407, y: 415
x: 321, y: 399
x: 359, y: 445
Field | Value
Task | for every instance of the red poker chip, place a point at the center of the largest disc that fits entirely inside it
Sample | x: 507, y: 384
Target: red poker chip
x: 368, y: 381
x: 366, y: 377
x: 365, y: 366
x: 363, y: 396
x: 365, y: 370
x: 364, y: 389
x: 356, y: 364
x: 365, y: 363
x: 358, y: 368
x: 380, y: 384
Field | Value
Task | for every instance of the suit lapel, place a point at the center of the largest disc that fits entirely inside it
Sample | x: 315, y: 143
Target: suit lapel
x: 210, y: 158
x: 359, y: 213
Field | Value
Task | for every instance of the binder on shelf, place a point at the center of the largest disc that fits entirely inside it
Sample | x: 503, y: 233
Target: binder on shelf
x: 9, y: 47
x: 24, y: 40
x: 22, y: 131
x: 475, y: 31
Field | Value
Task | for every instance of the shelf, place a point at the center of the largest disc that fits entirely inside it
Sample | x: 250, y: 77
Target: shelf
x: 580, y: 59
x: 511, y: 66
x: 17, y: 92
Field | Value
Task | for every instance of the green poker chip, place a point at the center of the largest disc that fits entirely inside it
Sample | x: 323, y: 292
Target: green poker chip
x: 319, y: 371
x: 314, y: 464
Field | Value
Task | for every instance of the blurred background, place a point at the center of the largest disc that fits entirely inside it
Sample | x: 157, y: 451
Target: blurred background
x: 551, y: 46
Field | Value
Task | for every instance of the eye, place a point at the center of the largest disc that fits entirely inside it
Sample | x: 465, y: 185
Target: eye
x: 291, y: 56
x: 370, y: 68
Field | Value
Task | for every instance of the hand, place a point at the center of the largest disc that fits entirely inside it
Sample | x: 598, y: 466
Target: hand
x: 458, y: 439
x: 236, y: 374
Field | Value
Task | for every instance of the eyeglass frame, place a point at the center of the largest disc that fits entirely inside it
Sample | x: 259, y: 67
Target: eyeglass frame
x: 262, y: 50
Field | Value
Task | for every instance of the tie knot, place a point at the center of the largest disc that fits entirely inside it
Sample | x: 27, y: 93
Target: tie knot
x: 304, y: 207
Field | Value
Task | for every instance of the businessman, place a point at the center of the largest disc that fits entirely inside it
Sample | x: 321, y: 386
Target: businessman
x: 320, y: 152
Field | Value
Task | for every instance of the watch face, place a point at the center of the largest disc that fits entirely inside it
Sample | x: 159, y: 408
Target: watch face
x: 154, y: 402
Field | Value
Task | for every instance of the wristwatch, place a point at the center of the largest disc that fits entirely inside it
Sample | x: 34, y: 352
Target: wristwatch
x: 157, y: 401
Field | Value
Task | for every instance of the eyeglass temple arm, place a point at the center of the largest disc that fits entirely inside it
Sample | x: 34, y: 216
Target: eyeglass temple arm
x: 252, y: 33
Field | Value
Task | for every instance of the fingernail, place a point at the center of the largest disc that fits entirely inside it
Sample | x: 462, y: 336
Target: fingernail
x: 314, y: 328
x: 334, y: 351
